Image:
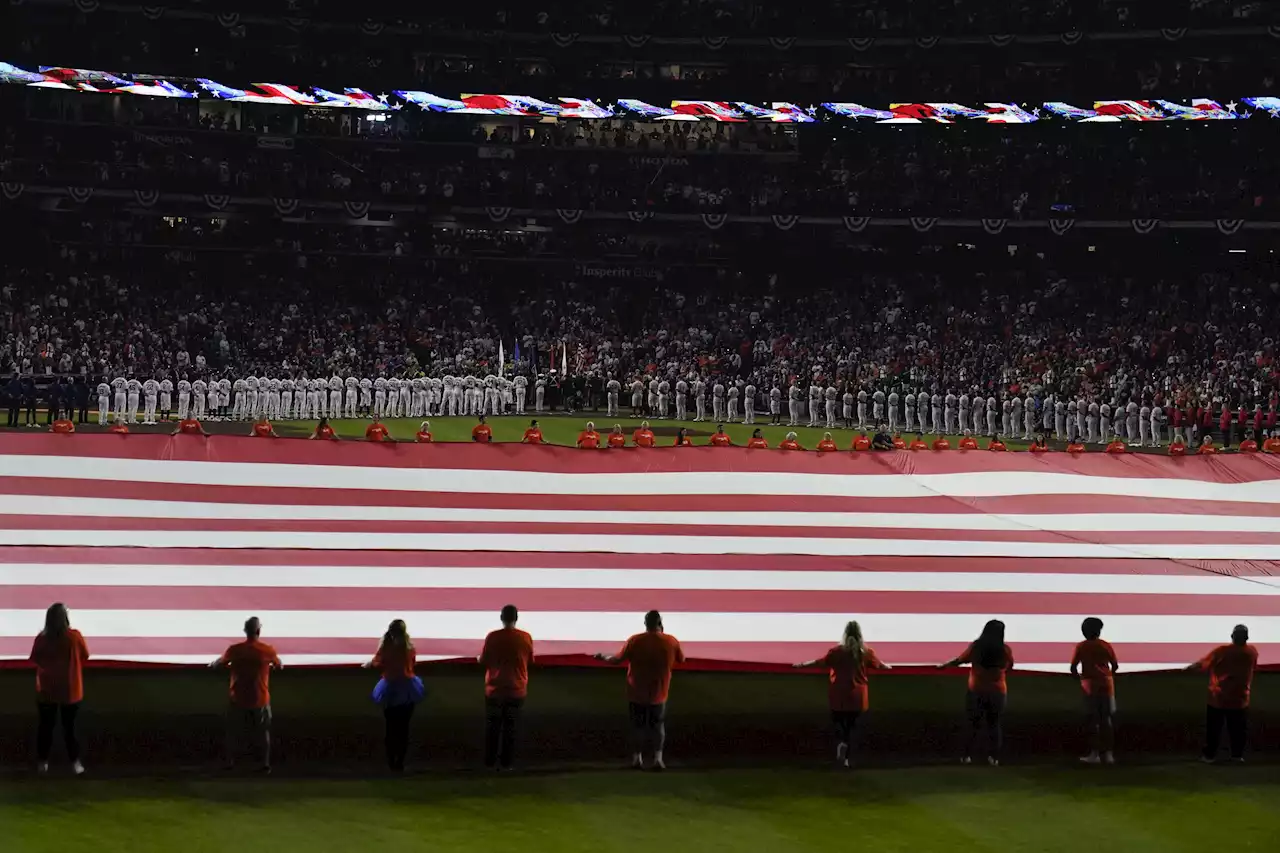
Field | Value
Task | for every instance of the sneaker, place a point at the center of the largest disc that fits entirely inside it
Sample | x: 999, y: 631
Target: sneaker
x: 842, y: 753
x: 658, y: 765
x: 966, y: 760
x: 1091, y: 758
x: 993, y: 761
x: 1204, y: 759
x: 1108, y: 758
x: 43, y: 768
x: 77, y: 768
x: 1237, y: 759
x: 637, y: 763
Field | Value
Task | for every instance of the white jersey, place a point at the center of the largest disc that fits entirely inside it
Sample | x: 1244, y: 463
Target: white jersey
x: 120, y: 384
x: 699, y: 389
x: 717, y: 390
x: 794, y: 394
x: 151, y: 388
x: 166, y: 386
x: 831, y: 393
x: 104, y: 390
x: 184, y: 387
x: 682, y: 387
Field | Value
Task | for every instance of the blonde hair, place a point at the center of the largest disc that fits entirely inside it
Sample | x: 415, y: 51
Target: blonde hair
x: 852, y: 640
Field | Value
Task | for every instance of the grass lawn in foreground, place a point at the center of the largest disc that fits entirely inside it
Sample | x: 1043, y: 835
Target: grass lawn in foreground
x: 1157, y: 808
x: 564, y: 429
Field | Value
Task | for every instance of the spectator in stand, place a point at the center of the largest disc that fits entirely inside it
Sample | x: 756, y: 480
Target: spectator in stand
x: 59, y: 654
x: 506, y: 657
x: 1230, y: 669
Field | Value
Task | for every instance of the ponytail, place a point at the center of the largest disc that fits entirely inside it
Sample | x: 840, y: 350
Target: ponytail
x: 852, y: 641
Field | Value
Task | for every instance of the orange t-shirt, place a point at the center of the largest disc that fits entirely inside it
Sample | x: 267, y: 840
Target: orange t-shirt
x: 790, y: 444
x: 424, y: 436
x: 1075, y: 447
x: 119, y: 429
x: 376, y: 432
x: 60, y: 667
x: 1271, y: 445
x: 532, y: 436
x: 395, y: 661
x: 481, y: 433
x: 1177, y: 449
x: 650, y: 658
x: 615, y: 439
x: 1097, y: 662
x: 642, y: 438
x: 506, y: 657
x: 917, y: 444
x: 847, y: 678
x: 589, y: 439
x: 827, y: 446
x: 682, y: 441
x: 1248, y: 446
x: 262, y: 429
x: 757, y: 443
x: 968, y: 443
x: 1205, y: 450
x: 861, y: 443
x: 190, y: 426
x: 1117, y: 446
x: 719, y: 439
x: 63, y: 426
x: 898, y: 443
x: 987, y: 679
x: 1230, y: 674
x: 943, y: 444
x: 996, y: 446
x: 1035, y: 448
x: 250, y: 663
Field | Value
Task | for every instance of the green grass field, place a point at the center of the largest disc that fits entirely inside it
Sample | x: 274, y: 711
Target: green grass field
x: 1156, y: 808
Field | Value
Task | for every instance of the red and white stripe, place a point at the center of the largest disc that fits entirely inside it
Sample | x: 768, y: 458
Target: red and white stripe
x: 162, y: 546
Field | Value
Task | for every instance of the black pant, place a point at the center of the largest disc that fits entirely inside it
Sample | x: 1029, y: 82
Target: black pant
x: 988, y: 709
x: 30, y: 407
x: 648, y: 726
x: 84, y: 413
x: 500, y: 717
x: 398, y: 717
x: 846, y: 723
x: 49, y: 712
x: 14, y: 408
x: 1237, y: 720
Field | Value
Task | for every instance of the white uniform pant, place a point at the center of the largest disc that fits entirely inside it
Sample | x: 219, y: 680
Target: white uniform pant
x: 749, y: 406
x: 613, y: 404
x: 733, y: 409
x: 521, y: 393
x: 796, y: 410
x: 831, y: 414
x: 700, y: 408
x: 682, y: 407
x: 184, y: 405
x: 149, y: 411
x: 103, y: 408
x: 131, y: 412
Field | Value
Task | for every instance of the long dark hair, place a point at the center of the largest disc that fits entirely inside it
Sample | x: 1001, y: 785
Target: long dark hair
x: 988, y: 649
x: 397, y: 636
x: 56, y: 620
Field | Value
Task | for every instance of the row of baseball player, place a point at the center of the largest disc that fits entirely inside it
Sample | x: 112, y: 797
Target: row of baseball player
x: 145, y: 401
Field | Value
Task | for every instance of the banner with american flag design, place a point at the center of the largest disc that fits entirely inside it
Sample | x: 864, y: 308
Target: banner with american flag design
x: 161, y: 546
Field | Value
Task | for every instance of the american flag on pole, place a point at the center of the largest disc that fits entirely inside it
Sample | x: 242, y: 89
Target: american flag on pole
x: 161, y: 546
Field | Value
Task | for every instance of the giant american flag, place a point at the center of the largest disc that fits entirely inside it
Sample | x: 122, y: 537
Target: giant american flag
x: 162, y: 546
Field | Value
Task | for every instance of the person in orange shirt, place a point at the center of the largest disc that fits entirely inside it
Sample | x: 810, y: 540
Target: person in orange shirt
x: 827, y: 445
x: 376, y: 431
x: 1116, y: 446
x: 323, y: 431
x: 1230, y: 669
x: 1206, y: 447
x: 399, y: 691
x: 1041, y: 444
x: 533, y: 435
x: 918, y: 443
x: 790, y: 443
x: 649, y: 657
x: 1177, y: 448
x: 589, y: 439
x: 719, y: 439
x: 862, y: 441
x: 506, y: 657
x: 189, y: 426
x: 423, y: 435
x: 62, y: 426
x: 643, y: 437
x: 682, y: 438
x: 996, y: 445
x: 1248, y: 445
x: 990, y: 660
x: 847, y: 665
x: 968, y: 442
x: 250, y: 664
x: 59, y: 654
x: 757, y: 441
x: 262, y: 429
x: 1272, y: 444
x: 898, y: 443
x: 481, y: 433
x: 1094, y: 663
x: 616, y: 438
x: 941, y: 443
x: 119, y: 428
x: 1076, y: 447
